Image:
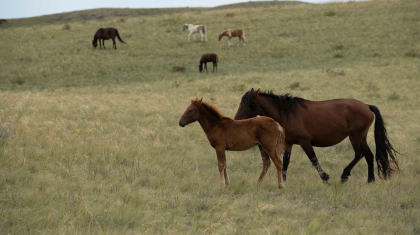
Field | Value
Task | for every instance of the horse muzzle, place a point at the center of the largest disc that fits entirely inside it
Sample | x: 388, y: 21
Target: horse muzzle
x: 181, y: 124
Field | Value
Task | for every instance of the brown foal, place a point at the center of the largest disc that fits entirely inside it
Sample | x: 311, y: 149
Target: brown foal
x: 225, y: 133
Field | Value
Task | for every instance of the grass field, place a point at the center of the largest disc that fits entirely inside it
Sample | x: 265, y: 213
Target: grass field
x: 90, y: 141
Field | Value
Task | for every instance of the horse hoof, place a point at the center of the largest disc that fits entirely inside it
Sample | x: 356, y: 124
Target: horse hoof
x: 327, y: 182
x: 325, y: 176
x: 343, y: 180
x: 281, y: 186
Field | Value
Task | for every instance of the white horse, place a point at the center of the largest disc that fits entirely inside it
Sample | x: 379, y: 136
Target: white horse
x: 195, y: 29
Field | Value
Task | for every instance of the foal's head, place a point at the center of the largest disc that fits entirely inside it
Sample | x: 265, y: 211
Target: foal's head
x: 247, y: 107
x: 185, y: 27
x: 220, y: 35
x: 192, y: 113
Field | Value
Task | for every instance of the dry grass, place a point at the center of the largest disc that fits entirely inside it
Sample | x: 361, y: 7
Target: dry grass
x: 96, y: 146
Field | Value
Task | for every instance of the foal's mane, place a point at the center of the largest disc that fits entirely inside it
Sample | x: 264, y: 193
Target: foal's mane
x: 285, y: 103
x: 212, y: 109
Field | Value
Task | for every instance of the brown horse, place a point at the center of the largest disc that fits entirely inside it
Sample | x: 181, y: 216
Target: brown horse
x: 105, y: 34
x: 3, y: 20
x: 224, y: 134
x: 233, y: 33
x: 323, y: 124
x: 214, y: 58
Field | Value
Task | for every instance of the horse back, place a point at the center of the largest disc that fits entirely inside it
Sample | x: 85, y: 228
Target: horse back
x: 328, y: 122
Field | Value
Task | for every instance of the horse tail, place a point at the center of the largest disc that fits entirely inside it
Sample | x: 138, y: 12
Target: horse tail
x: 383, y: 148
x: 281, y: 140
x: 118, y: 36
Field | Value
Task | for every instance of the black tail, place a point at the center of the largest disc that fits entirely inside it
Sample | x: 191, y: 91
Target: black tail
x: 118, y: 36
x: 383, y: 148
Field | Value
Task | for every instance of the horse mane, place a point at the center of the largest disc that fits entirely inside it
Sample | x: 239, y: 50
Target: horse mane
x: 285, y: 103
x: 212, y: 109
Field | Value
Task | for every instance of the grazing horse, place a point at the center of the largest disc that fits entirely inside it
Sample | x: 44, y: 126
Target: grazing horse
x: 3, y: 20
x: 324, y: 124
x: 233, y: 33
x: 208, y: 58
x: 195, y: 29
x: 105, y: 34
x: 224, y: 134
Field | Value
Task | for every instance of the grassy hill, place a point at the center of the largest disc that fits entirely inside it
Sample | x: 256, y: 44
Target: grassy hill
x: 90, y: 141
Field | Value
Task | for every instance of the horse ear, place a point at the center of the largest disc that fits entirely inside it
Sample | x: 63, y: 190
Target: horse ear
x: 256, y: 93
x: 201, y: 101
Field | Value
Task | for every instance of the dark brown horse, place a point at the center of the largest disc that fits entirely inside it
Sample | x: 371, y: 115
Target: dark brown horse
x: 105, y: 34
x: 3, y: 20
x: 323, y: 124
x: 214, y: 58
x: 224, y: 134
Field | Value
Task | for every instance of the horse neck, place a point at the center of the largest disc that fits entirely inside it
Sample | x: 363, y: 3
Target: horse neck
x: 95, y: 38
x: 207, y: 120
x: 268, y: 107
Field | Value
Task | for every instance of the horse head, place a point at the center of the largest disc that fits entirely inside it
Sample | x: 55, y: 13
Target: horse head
x: 192, y: 113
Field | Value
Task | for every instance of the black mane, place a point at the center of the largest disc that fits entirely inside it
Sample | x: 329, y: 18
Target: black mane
x: 285, y: 103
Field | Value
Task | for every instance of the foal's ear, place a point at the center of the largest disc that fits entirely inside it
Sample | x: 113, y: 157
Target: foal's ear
x: 255, y: 93
x: 201, y: 101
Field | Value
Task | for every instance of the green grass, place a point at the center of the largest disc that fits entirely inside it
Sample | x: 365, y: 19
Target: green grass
x: 93, y: 143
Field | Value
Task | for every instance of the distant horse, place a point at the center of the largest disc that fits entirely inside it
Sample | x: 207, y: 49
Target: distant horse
x: 195, y: 29
x: 224, y: 134
x: 233, y: 33
x: 324, y: 124
x: 3, y: 20
x: 214, y: 58
x: 105, y: 34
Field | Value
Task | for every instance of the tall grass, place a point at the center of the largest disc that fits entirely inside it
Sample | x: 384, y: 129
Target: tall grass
x: 96, y: 146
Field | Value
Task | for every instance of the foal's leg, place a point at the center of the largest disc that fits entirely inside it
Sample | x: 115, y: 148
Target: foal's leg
x: 307, y: 147
x: 221, y: 163
x: 205, y: 65
x: 239, y: 41
x: 189, y: 36
x: 286, y: 159
x: 114, y: 44
x: 201, y: 33
x: 266, y: 164
x: 356, y: 142
x: 103, y: 43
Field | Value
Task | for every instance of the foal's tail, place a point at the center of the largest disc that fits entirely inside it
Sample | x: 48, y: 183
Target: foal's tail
x: 243, y: 36
x: 281, y: 141
x: 383, y: 148
x: 118, y: 36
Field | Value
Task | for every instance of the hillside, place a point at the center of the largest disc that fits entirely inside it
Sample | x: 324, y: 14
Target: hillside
x: 90, y: 141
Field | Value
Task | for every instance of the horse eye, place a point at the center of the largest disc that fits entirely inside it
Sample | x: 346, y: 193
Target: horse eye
x: 191, y: 111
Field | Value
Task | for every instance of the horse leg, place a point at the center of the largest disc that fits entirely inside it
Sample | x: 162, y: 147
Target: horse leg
x: 369, y: 159
x: 201, y: 33
x: 194, y: 36
x: 103, y: 43
x: 266, y: 164
x: 189, y: 36
x: 228, y: 42
x: 286, y: 159
x: 309, y: 150
x: 239, y: 41
x: 205, y: 65
x: 114, y: 44
x: 214, y: 64
x: 221, y: 163
x: 356, y: 142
